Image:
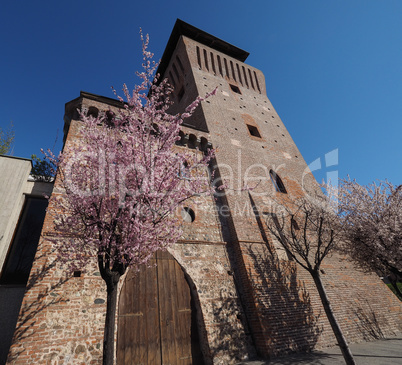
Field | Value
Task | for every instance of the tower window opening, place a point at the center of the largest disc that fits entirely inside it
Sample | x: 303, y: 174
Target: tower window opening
x: 235, y: 89
x: 233, y: 71
x: 206, y: 60
x: 245, y: 76
x: 256, y: 81
x: 277, y: 181
x: 226, y: 68
x: 238, y: 72
x: 109, y: 120
x: 254, y: 131
x: 219, y: 65
x: 93, y: 112
x: 180, y: 142
x: 77, y: 274
x: 251, y: 79
x: 199, y: 57
x: 188, y: 215
x: 213, y: 62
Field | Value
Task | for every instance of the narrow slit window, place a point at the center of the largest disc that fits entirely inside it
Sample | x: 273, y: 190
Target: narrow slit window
x: 219, y: 65
x: 213, y: 62
x: 238, y: 72
x: 206, y: 59
x: 245, y: 76
x: 277, y: 181
x: 253, y: 130
x: 226, y: 68
x: 233, y: 71
x: 199, y: 57
x: 256, y: 81
x: 251, y: 79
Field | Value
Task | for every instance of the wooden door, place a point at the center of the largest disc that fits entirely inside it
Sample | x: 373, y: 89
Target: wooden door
x: 156, y: 321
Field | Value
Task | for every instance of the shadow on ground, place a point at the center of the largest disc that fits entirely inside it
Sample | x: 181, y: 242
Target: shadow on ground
x: 386, y: 351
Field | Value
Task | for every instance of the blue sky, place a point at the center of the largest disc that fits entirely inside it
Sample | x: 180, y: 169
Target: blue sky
x: 333, y: 68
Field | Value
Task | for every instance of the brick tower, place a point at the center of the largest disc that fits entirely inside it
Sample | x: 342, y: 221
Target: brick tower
x: 241, y: 303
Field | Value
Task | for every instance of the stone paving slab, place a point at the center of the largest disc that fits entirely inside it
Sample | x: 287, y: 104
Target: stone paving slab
x: 386, y: 351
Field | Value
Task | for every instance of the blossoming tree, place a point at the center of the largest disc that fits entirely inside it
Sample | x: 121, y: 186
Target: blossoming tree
x: 122, y: 184
x: 372, y: 218
x: 308, y: 229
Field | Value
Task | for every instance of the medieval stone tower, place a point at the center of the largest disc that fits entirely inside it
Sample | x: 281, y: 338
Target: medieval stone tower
x: 225, y: 292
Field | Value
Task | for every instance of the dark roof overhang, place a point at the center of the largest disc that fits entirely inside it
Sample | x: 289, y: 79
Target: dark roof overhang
x: 182, y: 28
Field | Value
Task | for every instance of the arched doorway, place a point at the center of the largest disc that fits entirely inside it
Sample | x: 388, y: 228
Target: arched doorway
x: 156, y: 320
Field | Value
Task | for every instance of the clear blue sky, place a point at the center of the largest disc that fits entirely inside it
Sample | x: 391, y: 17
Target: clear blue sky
x: 333, y: 68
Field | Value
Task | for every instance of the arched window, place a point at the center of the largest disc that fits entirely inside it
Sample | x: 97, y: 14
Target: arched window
x: 277, y: 181
x: 92, y: 111
x: 192, y: 141
x: 180, y: 142
x: 203, y: 144
x: 109, y: 116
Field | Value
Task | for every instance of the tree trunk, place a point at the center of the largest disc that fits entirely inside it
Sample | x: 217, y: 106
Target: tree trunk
x: 110, y: 321
x: 347, y: 355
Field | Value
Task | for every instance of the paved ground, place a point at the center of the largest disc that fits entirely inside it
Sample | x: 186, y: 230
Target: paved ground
x: 382, y: 352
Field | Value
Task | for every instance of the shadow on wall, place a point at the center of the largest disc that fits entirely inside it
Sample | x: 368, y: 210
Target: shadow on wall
x: 288, y: 321
x: 30, y: 312
x: 284, y: 305
x: 369, y: 323
x: 231, y: 339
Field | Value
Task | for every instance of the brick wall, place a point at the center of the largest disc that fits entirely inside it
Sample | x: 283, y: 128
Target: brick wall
x: 251, y: 298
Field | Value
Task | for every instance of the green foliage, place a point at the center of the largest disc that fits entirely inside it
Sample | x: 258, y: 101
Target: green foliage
x: 6, y: 139
x: 393, y: 289
x: 42, y: 169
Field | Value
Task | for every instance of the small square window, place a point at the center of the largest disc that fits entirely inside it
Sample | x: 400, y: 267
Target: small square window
x: 235, y: 89
x: 254, y: 131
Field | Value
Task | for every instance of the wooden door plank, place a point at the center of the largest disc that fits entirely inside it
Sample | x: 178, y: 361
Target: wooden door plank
x: 151, y: 311
x: 165, y: 310
x: 138, y: 333
x: 183, y: 317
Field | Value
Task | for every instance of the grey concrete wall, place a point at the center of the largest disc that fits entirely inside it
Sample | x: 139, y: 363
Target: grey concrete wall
x: 14, y: 173
x: 15, y: 183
